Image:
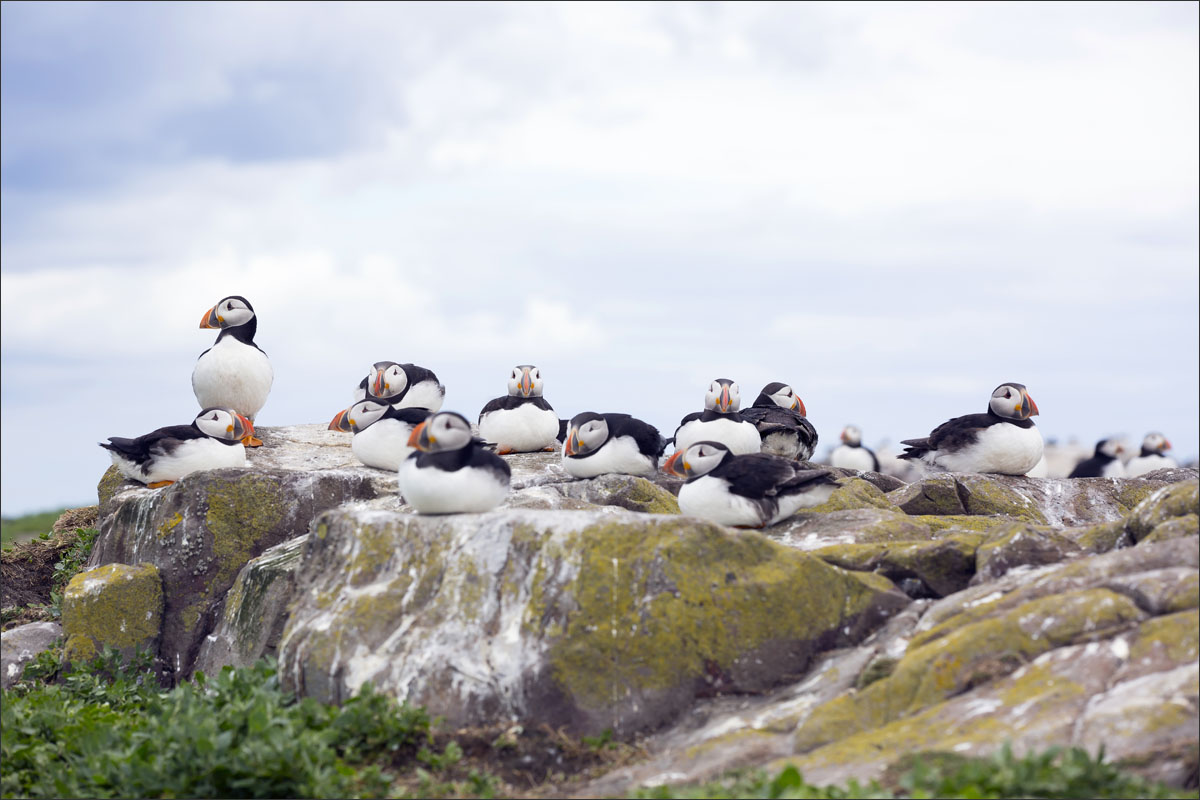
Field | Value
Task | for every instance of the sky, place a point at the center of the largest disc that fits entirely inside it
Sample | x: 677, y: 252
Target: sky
x: 892, y: 207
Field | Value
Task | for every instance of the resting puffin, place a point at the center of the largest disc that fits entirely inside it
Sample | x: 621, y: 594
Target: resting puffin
x: 233, y: 373
x: 1004, y: 440
x: 380, y: 430
x: 597, y: 444
x: 719, y: 422
x: 402, y: 385
x: 453, y: 472
x: 522, y: 421
x: 1151, y: 457
x: 161, y: 457
x: 851, y: 454
x: 1104, y: 463
x: 746, y: 491
x: 779, y: 414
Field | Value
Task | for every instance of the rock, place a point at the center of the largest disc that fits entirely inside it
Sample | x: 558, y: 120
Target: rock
x: 941, y: 566
x: 23, y: 644
x: 1164, y: 505
x: 1019, y: 544
x: 586, y: 620
x: 117, y: 605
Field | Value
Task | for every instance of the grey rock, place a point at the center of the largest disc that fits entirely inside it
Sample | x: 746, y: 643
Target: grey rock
x: 23, y: 644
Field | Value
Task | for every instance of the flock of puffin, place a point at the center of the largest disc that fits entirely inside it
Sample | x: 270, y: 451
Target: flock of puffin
x: 742, y: 467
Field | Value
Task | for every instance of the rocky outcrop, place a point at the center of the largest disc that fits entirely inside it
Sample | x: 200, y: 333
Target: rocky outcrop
x: 21, y: 645
x: 115, y: 606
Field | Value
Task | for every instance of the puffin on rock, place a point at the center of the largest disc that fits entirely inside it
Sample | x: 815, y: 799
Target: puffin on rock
x: 452, y: 472
x: 402, y: 385
x: 235, y: 372
x: 851, y: 454
x: 1152, y: 456
x: 1104, y: 463
x: 780, y: 416
x: 522, y: 421
x: 380, y: 431
x: 598, y: 444
x: 720, y: 422
x: 161, y: 457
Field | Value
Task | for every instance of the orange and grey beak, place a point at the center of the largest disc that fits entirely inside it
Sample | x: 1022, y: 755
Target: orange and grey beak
x: 1166, y: 444
x: 1033, y: 409
x: 377, y: 385
x: 241, y: 427
x: 675, y: 465
x: 210, y: 319
x: 340, y: 421
x: 420, y: 438
x: 798, y: 405
x: 526, y: 383
x: 572, y: 445
x: 843, y: 436
x: 723, y: 401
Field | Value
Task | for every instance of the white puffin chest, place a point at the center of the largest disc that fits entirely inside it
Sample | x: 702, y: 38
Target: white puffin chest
x: 525, y: 428
x: 383, y: 445
x: 233, y: 375
x: 740, y: 437
x: 619, y: 455
x: 437, y: 491
x: 709, y: 498
x: 185, y: 458
x: 1002, y: 448
x: 1143, y: 464
x: 847, y: 457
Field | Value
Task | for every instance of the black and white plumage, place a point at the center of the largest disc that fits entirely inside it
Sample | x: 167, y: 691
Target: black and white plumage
x: 380, y: 431
x: 1104, y: 463
x: 1152, y: 456
x: 402, y: 385
x: 1003, y: 440
x: 720, y: 421
x: 747, y: 491
x: 780, y: 417
x: 521, y: 421
x: 599, y: 444
x: 851, y: 454
x: 235, y: 372
x: 212, y: 441
x: 452, y: 472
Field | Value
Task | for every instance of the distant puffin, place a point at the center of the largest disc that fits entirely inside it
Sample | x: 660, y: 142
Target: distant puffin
x: 233, y: 373
x: 1104, y: 463
x: 779, y: 414
x: 453, y: 472
x: 522, y: 421
x: 597, y: 444
x: 720, y: 422
x: 1151, y: 457
x: 161, y: 457
x: 1004, y: 440
x: 380, y: 430
x: 402, y: 385
x: 851, y: 454
x: 746, y: 491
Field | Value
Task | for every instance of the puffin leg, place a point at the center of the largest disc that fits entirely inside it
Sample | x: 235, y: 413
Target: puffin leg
x: 550, y: 449
x: 158, y: 484
x: 503, y: 450
x: 250, y: 440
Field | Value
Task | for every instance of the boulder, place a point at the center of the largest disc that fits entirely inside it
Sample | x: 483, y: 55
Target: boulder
x: 117, y: 605
x: 22, y: 644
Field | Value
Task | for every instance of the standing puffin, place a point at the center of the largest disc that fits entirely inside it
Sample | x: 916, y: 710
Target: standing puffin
x: 233, y: 373
x: 453, y: 472
x: 851, y: 454
x: 1151, y: 457
x: 1003, y: 440
x: 597, y: 444
x: 402, y: 385
x: 161, y: 457
x: 720, y: 422
x: 380, y: 430
x: 1104, y: 463
x: 522, y: 421
x: 779, y: 414
x: 746, y: 491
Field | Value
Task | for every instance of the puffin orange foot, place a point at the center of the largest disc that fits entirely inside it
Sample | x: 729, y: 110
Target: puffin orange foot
x: 158, y: 484
x: 503, y: 450
x: 252, y: 441
x: 550, y: 449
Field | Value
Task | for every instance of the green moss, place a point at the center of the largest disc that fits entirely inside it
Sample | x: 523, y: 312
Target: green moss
x: 169, y: 526
x: 877, y: 669
x: 981, y: 523
x: 1177, y: 635
x: 990, y: 496
x: 945, y: 565
x: 116, y: 605
x: 108, y: 485
x: 79, y: 647
x: 373, y: 548
x: 1100, y: 538
x: 1175, y: 528
x: 1176, y: 500
x: 651, y: 498
x: 854, y: 493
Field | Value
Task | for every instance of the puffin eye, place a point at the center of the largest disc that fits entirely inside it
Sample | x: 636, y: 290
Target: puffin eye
x: 229, y: 306
x: 1007, y: 394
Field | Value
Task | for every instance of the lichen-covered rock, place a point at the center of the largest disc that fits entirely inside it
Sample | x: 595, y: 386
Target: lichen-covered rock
x: 942, y: 565
x: 587, y: 620
x: 117, y: 605
x: 1020, y: 544
x: 811, y: 531
x: 621, y: 491
x: 22, y: 644
x: 1165, y: 504
x: 854, y: 493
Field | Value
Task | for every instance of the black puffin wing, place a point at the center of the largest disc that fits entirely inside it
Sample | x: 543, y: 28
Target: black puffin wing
x: 756, y: 475
x: 804, y: 479
x: 165, y: 440
x: 497, y: 404
x: 692, y: 417
x: 645, y: 436
x: 363, y: 385
x: 960, y: 432
x: 538, y: 402
x: 481, y: 458
x: 874, y: 459
x: 413, y: 416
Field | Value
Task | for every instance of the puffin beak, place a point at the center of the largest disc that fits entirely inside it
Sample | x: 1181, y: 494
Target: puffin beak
x: 674, y: 465
x: 799, y: 406
x: 419, y: 438
x: 210, y: 319
x: 842, y: 437
x: 377, y: 385
x: 1033, y: 409
x: 571, y: 445
x: 1166, y: 445
x: 724, y: 401
x: 526, y: 383
x: 246, y: 426
x: 340, y: 421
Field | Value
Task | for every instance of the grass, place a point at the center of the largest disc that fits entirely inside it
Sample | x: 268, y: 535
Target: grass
x: 20, y: 529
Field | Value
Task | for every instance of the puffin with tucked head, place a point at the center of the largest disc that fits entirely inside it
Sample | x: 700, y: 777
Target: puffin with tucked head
x: 1003, y: 440
x: 1152, y: 457
x: 380, y: 431
x: 744, y: 491
x: 452, y: 472
x: 522, y: 421
x: 161, y: 457
x: 402, y: 386
x: 720, y: 421
x: 851, y: 454
x: 235, y: 372
x: 780, y: 416
x: 1104, y: 463
x: 599, y: 444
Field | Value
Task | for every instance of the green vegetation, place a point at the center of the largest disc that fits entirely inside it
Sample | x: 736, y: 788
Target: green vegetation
x: 19, y: 529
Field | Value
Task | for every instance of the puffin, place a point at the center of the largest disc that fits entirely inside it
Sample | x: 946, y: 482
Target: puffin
x: 402, y: 385
x: 1151, y: 457
x: 779, y: 414
x: 1104, y: 463
x: 851, y: 454
x: 161, y: 457
x: 598, y: 444
x: 744, y: 491
x: 522, y: 421
x: 380, y: 430
x: 235, y: 372
x: 720, y: 422
x: 1003, y: 440
x: 452, y: 472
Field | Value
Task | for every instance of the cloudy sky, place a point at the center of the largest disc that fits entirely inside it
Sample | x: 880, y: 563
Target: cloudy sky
x: 892, y: 207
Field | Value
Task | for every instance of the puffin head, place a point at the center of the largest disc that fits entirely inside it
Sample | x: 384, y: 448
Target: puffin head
x: 229, y: 313
x: 1155, y: 442
x: 445, y: 430
x: 223, y: 423
x: 359, y: 416
x: 1111, y: 448
x: 723, y: 395
x: 387, y: 379
x: 699, y: 459
x: 1012, y: 401
x: 851, y: 435
x: 525, y: 381
x: 784, y: 396
x: 585, y: 433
